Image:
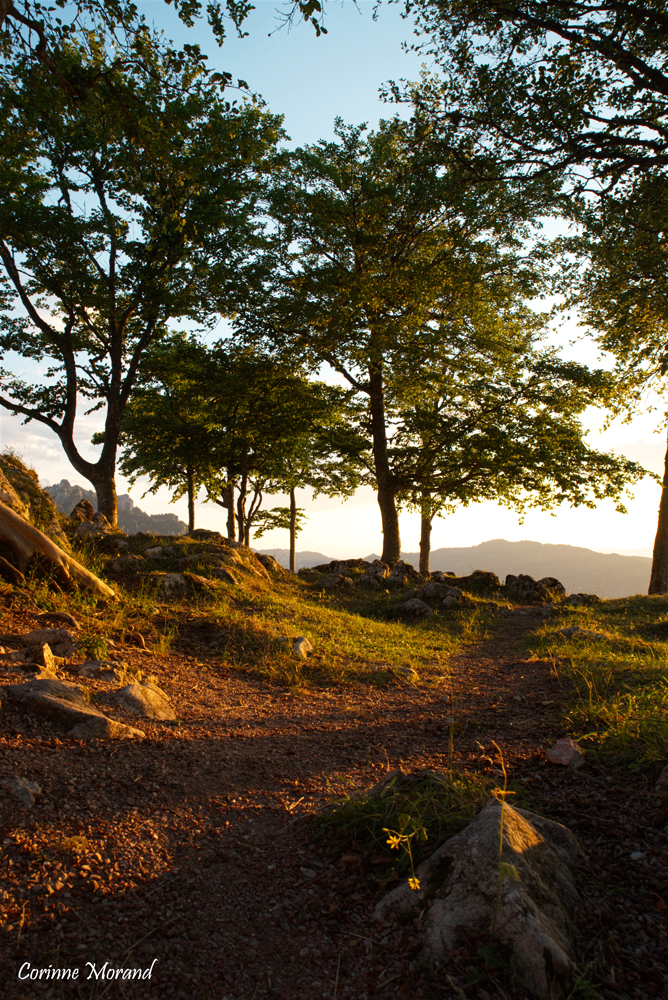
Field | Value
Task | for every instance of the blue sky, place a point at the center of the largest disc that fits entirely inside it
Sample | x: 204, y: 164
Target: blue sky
x: 311, y: 81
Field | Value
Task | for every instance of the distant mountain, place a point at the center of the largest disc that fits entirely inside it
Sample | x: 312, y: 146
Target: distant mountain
x: 580, y: 570
x: 301, y: 558
x: 130, y: 518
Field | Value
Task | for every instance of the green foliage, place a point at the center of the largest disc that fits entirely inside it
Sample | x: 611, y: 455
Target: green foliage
x: 130, y: 207
x: 277, y: 518
x: 427, y: 808
x: 535, y: 87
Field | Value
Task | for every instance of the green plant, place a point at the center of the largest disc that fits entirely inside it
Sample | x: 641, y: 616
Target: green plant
x: 505, y: 870
x: 94, y: 646
x: 403, y: 839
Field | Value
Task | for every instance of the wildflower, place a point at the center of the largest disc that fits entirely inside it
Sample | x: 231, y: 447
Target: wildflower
x: 394, y: 841
x: 414, y: 883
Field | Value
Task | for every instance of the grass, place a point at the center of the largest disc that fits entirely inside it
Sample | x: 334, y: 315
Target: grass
x: 240, y: 627
x: 429, y: 807
x: 618, y: 679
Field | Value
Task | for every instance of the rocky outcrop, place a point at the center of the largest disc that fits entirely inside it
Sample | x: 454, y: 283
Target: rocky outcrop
x: 147, y: 700
x: 538, y: 895
x: 130, y: 518
x: 526, y: 590
x: 21, y: 492
x: 65, y: 703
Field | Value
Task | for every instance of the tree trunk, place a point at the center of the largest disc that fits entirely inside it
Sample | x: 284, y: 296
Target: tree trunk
x: 241, y: 501
x: 658, y: 583
x: 107, y: 501
x: 384, y: 480
x: 293, y: 530
x: 425, y: 534
x: 190, y: 479
x: 231, y: 519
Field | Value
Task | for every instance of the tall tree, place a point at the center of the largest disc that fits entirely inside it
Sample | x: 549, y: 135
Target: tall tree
x: 621, y: 289
x: 576, y: 86
x: 503, y: 425
x: 386, y: 254
x: 241, y: 424
x: 118, y: 216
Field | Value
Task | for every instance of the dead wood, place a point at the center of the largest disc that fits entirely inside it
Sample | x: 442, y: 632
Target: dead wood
x: 25, y: 540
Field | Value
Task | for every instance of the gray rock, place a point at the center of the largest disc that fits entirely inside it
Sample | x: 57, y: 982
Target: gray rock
x: 411, y: 609
x: 565, y: 752
x: 88, y: 529
x: 529, y: 591
x: 147, y: 700
x: 227, y: 575
x: 173, y: 584
x: 336, y: 581
x: 60, y: 640
x: 575, y: 632
x: 22, y: 789
x: 125, y: 564
x: 57, y: 700
x: 272, y: 565
x: 662, y: 781
x: 102, y: 728
x: 535, y: 913
x: 582, y: 600
x: 434, y: 589
x: 153, y: 551
x: 450, y: 601
x: 301, y: 647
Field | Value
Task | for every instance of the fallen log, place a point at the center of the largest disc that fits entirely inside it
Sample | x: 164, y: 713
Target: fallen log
x: 25, y: 540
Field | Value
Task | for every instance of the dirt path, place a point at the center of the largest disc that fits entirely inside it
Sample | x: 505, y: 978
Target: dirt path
x: 200, y: 856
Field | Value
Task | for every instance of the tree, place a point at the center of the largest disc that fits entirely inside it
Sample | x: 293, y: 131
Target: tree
x: 621, y: 289
x: 388, y: 258
x: 503, y: 426
x: 241, y: 424
x: 116, y: 217
x: 290, y: 519
x: 38, y: 31
x: 550, y: 86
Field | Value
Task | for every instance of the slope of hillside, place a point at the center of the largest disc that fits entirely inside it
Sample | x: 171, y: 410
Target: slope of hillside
x: 580, y: 570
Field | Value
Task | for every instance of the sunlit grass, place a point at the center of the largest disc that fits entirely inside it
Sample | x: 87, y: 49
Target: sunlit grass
x: 618, y: 679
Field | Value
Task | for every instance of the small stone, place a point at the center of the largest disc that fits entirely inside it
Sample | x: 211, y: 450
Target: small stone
x: 450, y: 601
x: 307, y: 872
x: 145, y: 699
x: 662, y: 781
x: 304, y: 953
x: 638, y: 856
x: 565, y: 752
x: 22, y: 789
x: 152, y: 551
x: 173, y: 584
x: 301, y: 647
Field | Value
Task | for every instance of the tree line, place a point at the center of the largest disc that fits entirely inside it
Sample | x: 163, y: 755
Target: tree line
x: 143, y: 199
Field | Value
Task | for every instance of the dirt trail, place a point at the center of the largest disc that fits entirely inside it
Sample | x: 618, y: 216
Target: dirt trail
x: 208, y: 863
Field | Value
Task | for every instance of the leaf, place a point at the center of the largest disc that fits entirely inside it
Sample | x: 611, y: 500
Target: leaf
x: 509, y: 871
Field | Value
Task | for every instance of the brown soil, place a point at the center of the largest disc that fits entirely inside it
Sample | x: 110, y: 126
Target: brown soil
x: 201, y: 859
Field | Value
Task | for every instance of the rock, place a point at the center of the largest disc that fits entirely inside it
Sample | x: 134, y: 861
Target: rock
x: 369, y: 582
x: 451, y: 601
x: 301, y: 647
x: 206, y: 534
x: 199, y: 583
x: 565, y: 752
x: 403, y: 574
x: 662, y: 781
x: 375, y: 575
x: 122, y: 565
x: 460, y: 880
x: 411, y: 609
x: 102, y: 728
x: 59, y: 639
x: 226, y: 575
x: 22, y: 789
x: 272, y: 565
x: 152, y: 551
x: 44, y: 659
x: 172, y: 584
x: 343, y: 566
x: 57, y: 700
x: 575, y: 632
x: 336, y: 581
x: 434, y: 590
x: 120, y: 543
x: 582, y: 600
x: 526, y: 590
x: 84, y: 511
x: 88, y: 529
x: 59, y: 616
x: 478, y: 582
x: 147, y: 700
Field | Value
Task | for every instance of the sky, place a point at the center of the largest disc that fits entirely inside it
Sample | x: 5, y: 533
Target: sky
x: 311, y: 81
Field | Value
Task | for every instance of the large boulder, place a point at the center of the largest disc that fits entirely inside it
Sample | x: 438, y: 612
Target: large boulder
x: 480, y: 581
x: 526, y: 590
x: 403, y: 574
x: 60, y: 640
x: 536, y: 904
x: 66, y: 703
x: 147, y: 700
x: 411, y: 609
x: 272, y: 565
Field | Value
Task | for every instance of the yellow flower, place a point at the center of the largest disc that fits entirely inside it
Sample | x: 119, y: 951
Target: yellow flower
x: 393, y: 840
x: 414, y: 883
